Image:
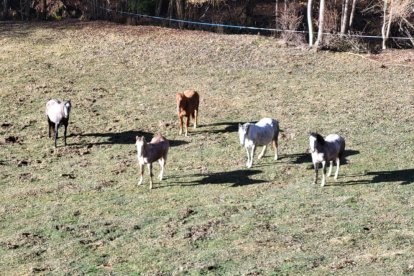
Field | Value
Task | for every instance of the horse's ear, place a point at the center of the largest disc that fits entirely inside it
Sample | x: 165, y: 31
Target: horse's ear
x: 136, y: 138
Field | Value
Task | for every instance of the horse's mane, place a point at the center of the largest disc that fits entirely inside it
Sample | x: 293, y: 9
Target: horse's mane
x: 318, y: 137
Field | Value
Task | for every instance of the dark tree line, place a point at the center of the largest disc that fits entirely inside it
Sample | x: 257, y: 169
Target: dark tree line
x: 385, y: 18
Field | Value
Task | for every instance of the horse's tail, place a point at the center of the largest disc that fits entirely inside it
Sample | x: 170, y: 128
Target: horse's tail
x: 342, y: 148
x: 276, y: 130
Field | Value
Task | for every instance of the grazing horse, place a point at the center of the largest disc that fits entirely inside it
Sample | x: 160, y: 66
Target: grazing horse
x: 326, y: 150
x: 187, y: 105
x: 57, y: 114
x: 259, y: 134
x: 148, y: 153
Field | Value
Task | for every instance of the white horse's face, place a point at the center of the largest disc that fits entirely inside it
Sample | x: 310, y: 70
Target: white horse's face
x: 140, y: 145
x: 312, y: 142
x: 242, y: 133
x: 66, y: 109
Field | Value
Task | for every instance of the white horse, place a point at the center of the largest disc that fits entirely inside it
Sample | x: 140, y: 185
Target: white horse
x: 324, y: 150
x: 57, y: 113
x: 259, y: 134
x: 148, y: 153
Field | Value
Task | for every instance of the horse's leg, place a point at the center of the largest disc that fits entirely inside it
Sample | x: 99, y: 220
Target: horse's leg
x: 49, y: 123
x: 150, y: 173
x: 141, y: 167
x: 187, y: 123
x: 253, y: 148
x: 323, y: 173
x: 315, y: 166
x: 66, y: 128
x: 161, y: 161
x: 275, y: 148
x: 181, y: 125
x: 56, y: 134
x: 262, y: 153
x: 248, y: 156
x: 330, y: 168
x: 337, y: 168
x: 195, y: 118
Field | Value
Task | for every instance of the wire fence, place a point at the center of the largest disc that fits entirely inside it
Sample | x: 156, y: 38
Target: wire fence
x: 240, y: 27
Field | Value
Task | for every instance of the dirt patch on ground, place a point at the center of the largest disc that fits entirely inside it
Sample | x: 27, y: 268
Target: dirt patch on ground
x: 203, y: 231
x: 25, y: 239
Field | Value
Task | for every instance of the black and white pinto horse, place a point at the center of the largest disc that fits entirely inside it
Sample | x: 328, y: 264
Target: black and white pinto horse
x: 259, y: 134
x: 326, y: 150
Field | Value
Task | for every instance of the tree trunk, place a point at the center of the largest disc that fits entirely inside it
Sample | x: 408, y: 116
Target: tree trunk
x: 179, y: 7
x: 276, y: 12
x: 344, y: 23
x: 390, y: 15
x: 319, y: 40
x: 310, y: 26
x: 384, y: 26
x: 352, y: 15
x: 159, y: 7
x: 5, y: 9
x: 44, y: 5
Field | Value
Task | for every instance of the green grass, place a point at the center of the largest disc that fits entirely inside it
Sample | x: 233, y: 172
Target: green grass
x: 78, y: 209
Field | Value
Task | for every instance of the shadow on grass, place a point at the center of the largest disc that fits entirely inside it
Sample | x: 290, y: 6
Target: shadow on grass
x: 404, y: 177
x: 125, y: 137
x: 235, y: 178
x: 229, y: 127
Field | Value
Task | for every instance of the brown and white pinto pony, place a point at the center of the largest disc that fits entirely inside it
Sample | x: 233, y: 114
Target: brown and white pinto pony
x: 147, y: 153
x: 187, y: 105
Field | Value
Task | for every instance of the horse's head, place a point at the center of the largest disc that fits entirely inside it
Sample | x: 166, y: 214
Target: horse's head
x: 179, y: 99
x: 66, y: 108
x: 315, y: 139
x: 140, y: 143
x: 243, y: 130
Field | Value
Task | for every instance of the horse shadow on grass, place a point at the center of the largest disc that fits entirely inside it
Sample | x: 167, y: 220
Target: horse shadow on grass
x: 229, y: 127
x: 403, y: 177
x: 123, y: 138
x: 234, y: 178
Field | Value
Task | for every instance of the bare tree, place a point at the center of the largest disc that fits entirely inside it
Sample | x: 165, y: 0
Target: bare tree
x: 345, y: 11
x: 276, y: 12
x: 310, y: 26
x: 5, y: 9
x: 319, y: 39
x: 386, y: 25
x: 352, y: 15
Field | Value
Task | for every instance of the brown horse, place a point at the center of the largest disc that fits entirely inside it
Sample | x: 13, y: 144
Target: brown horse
x: 148, y: 153
x: 187, y: 105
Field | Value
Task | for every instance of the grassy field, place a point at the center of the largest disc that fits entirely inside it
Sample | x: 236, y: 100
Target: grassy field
x: 78, y: 209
